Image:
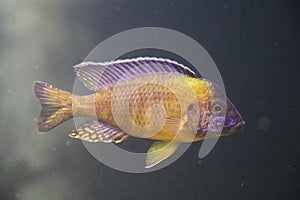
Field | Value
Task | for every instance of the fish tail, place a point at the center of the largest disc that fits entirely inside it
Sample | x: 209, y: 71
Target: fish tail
x: 56, y: 105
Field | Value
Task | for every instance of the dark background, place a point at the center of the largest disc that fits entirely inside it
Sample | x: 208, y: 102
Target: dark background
x: 255, y: 44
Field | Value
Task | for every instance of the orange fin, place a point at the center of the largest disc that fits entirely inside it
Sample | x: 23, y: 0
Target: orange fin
x: 56, y: 105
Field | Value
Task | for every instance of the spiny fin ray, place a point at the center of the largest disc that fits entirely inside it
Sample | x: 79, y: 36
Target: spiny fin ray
x: 95, y: 131
x: 96, y: 75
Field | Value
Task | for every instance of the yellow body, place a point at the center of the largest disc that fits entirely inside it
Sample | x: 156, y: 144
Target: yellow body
x: 152, y: 106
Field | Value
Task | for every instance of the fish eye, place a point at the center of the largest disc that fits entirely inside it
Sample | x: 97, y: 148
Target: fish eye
x: 218, y: 107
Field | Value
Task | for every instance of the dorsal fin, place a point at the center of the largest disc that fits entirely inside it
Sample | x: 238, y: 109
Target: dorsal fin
x: 96, y: 75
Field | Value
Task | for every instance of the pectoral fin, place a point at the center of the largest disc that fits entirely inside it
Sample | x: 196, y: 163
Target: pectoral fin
x: 160, y: 151
x: 95, y: 131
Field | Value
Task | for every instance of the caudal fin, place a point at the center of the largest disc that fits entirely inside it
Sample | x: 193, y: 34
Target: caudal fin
x: 56, y: 105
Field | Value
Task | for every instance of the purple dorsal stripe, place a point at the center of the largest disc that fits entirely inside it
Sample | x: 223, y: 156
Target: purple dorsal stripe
x: 98, y: 75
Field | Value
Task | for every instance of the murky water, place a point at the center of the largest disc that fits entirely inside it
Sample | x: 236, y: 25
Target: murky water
x: 255, y: 44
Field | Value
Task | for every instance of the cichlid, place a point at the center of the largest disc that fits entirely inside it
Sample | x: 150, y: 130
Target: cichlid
x: 145, y: 97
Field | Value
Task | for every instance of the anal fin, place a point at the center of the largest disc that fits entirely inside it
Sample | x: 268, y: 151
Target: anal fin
x: 95, y: 131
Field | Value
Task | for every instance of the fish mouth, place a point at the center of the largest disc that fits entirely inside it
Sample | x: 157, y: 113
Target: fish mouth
x: 240, y: 125
x: 226, y: 130
x: 234, y: 129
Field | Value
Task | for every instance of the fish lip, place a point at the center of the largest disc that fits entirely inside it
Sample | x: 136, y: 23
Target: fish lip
x: 240, y: 125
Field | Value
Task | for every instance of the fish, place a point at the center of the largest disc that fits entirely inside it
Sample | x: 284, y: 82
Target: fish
x: 146, y: 97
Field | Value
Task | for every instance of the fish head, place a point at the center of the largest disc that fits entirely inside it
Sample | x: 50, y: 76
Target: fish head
x: 219, y: 116
x: 234, y: 121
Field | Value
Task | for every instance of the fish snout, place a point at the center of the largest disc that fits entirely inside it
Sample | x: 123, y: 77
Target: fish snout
x: 240, y: 125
